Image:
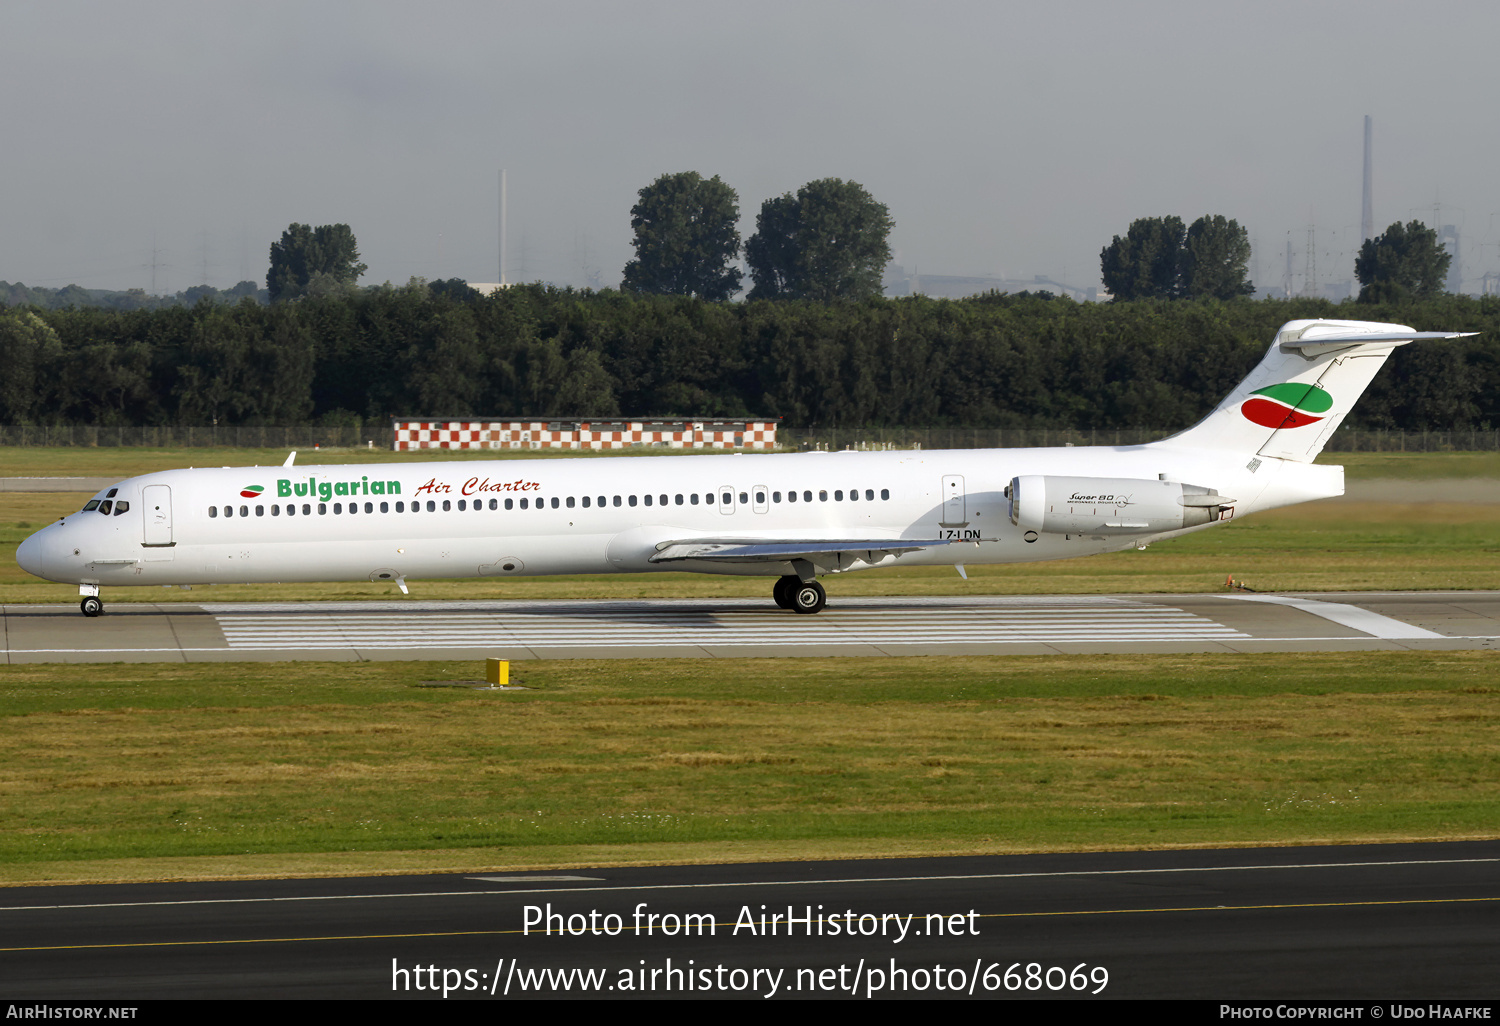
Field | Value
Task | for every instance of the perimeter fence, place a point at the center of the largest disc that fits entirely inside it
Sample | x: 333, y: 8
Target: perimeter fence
x: 378, y: 436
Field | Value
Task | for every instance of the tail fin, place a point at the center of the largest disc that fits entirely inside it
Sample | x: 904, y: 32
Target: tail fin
x: 1302, y: 389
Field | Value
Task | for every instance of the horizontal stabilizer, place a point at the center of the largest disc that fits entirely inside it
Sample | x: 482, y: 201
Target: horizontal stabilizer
x: 1312, y: 344
x: 730, y: 550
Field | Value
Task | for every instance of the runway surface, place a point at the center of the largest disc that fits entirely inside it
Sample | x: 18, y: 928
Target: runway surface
x: 751, y: 628
x: 1353, y: 922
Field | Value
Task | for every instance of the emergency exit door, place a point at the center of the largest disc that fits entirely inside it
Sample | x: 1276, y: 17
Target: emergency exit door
x: 954, y: 512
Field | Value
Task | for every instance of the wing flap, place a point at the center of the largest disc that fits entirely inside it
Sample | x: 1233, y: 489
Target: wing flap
x: 753, y: 550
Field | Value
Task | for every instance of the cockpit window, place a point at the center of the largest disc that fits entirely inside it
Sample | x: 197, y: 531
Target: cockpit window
x: 105, y: 506
x: 92, y: 505
x: 111, y: 493
x: 121, y: 507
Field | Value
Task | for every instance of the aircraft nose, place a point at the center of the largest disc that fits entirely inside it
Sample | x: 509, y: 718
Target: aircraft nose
x: 29, y: 555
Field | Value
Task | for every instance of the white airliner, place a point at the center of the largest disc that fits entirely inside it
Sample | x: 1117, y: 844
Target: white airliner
x: 789, y: 516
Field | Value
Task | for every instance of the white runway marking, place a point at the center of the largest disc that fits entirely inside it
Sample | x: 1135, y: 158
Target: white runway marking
x: 1374, y: 624
x: 631, y: 626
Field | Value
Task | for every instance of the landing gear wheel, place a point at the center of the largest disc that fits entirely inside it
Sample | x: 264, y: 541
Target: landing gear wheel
x: 782, y: 593
x: 808, y: 598
x: 91, y: 606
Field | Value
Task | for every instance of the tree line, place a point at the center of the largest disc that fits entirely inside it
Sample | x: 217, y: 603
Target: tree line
x: 442, y: 349
x: 1158, y: 258
x: 827, y: 241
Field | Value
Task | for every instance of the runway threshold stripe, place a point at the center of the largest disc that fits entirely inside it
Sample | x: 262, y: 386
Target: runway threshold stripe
x: 1091, y: 622
x: 715, y: 926
x: 755, y: 883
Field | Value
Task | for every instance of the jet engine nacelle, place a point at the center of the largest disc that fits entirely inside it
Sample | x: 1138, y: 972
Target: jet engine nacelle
x: 1111, y: 505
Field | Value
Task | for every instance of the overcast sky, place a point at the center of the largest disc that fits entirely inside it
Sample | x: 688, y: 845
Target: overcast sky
x: 1006, y: 138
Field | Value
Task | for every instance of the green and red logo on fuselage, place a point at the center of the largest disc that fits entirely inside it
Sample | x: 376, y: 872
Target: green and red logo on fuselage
x: 1287, y: 405
x: 252, y: 492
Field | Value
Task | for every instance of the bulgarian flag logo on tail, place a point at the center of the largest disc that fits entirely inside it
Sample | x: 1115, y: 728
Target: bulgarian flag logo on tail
x: 1287, y: 405
x: 253, y: 492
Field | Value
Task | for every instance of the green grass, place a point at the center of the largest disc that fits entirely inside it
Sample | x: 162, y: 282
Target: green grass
x: 1414, y: 466
x: 231, y: 769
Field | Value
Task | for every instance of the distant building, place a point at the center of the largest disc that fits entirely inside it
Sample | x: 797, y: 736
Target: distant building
x: 951, y: 286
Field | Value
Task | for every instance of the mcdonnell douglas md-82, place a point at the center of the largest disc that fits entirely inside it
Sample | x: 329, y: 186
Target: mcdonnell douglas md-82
x: 792, y: 516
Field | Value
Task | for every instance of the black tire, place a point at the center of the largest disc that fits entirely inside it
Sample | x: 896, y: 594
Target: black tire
x: 809, y: 597
x: 782, y: 592
x: 91, y: 606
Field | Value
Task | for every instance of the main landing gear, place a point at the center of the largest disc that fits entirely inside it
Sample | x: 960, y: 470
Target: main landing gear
x: 800, y: 597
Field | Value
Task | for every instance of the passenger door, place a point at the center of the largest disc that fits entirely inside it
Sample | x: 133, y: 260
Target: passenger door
x: 156, y: 509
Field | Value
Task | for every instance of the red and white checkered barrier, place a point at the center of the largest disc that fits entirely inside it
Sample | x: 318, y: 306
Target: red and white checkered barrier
x: 599, y: 434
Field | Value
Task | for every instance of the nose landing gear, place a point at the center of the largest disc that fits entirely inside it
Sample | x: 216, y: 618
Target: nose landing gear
x: 792, y: 593
x: 90, y: 603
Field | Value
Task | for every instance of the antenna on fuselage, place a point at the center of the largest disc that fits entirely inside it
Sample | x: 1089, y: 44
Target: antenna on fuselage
x: 290, y: 458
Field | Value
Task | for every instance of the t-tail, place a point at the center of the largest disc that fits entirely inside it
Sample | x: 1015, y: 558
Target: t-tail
x: 1302, y: 389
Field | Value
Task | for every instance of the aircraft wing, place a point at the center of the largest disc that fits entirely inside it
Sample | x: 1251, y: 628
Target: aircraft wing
x: 822, y: 552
